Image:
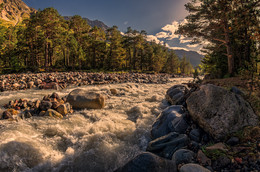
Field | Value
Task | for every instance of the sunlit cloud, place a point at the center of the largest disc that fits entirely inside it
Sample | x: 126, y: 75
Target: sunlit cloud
x: 179, y: 48
x: 162, y: 35
x: 154, y: 38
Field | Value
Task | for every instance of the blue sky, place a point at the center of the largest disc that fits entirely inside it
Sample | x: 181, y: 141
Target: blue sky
x: 158, y: 17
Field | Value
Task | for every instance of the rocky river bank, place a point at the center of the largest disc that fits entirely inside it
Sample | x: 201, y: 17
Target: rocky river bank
x: 129, y: 127
x: 61, y: 80
x: 204, y: 130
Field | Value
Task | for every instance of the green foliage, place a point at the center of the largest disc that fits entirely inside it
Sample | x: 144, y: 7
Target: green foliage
x: 232, y: 30
x: 45, y: 41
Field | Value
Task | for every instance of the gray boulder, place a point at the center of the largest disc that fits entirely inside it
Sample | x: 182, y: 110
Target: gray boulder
x: 166, y: 146
x: 172, y: 119
x: 220, y: 112
x: 193, y: 168
x: 81, y: 99
x: 176, y: 94
x: 183, y: 156
x: 148, y: 162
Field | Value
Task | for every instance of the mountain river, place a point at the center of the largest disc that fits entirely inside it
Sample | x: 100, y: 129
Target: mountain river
x: 87, y: 140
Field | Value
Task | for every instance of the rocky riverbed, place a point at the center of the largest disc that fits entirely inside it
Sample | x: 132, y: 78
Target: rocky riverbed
x: 61, y: 80
x: 129, y: 127
x: 85, y: 140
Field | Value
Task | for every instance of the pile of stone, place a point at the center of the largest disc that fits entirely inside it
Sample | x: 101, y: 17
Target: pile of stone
x: 196, y: 133
x: 62, y: 80
x: 51, y: 105
x: 54, y: 105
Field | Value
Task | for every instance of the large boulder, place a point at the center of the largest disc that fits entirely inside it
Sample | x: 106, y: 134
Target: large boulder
x: 176, y: 94
x: 219, y: 111
x: 81, y: 99
x: 148, y: 162
x: 165, y: 146
x: 172, y: 119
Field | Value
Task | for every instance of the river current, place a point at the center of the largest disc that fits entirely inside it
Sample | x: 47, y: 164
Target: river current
x: 87, y: 140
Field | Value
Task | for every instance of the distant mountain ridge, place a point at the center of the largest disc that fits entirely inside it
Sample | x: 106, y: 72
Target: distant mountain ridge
x: 13, y: 11
x: 194, y: 57
x: 92, y: 23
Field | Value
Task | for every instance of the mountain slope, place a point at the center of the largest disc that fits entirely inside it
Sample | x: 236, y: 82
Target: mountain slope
x: 92, y: 23
x: 194, y: 57
x: 14, y: 11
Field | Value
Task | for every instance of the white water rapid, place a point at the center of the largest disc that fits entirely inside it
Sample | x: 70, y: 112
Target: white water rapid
x: 87, y: 140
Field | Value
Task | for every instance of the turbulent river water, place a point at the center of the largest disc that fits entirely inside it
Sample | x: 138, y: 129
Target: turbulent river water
x: 87, y: 140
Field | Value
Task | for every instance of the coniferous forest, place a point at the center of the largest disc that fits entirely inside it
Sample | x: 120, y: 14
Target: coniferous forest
x: 46, y: 41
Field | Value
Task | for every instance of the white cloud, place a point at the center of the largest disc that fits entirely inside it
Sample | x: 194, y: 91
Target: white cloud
x: 184, y: 40
x: 179, y: 48
x: 126, y: 22
x: 167, y: 34
x: 162, y: 35
x: 153, y: 38
x: 170, y: 30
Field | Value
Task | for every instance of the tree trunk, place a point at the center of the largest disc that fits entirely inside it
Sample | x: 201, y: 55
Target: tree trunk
x: 46, y: 55
x: 229, y: 51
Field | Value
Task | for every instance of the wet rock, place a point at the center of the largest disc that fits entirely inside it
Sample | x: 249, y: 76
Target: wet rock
x: 165, y: 146
x: 38, y: 82
x: 183, y: 156
x: 175, y: 95
x: 113, y: 91
x: 233, y: 141
x: 171, y: 119
x: 42, y: 113
x: 37, y: 104
x: 203, y: 159
x: 16, y: 85
x: 81, y: 99
x: 6, y: 115
x: 45, y: 105
x: 55, y: 105
x: 9, y: 114
x: 27, y: 114
x: 53, y: 113
x: 193, y: 168
x: 55, y: 96
x: 220, y: 112
x: 30, y: 84
x: 148, y: 162
x: 64, y: 109
x: 30, y: 103
x: 195, y: 135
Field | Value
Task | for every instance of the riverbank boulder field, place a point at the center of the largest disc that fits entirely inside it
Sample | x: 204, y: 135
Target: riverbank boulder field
x: 199, y: 131
x: 61, y: 80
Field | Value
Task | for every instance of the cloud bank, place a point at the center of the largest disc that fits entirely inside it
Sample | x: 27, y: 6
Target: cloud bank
x: 174, y: 41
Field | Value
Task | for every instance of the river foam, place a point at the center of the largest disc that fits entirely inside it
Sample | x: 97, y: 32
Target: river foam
x: 87, y: 140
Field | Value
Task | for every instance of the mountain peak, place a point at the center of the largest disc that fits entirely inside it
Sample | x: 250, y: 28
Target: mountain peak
x: 92, y: 23
x: 14, y: 11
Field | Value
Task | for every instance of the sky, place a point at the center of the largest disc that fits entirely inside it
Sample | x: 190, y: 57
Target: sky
x: 159, y: 18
